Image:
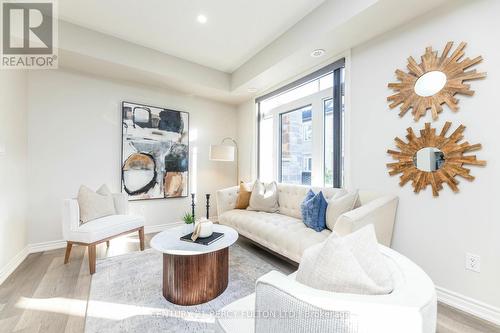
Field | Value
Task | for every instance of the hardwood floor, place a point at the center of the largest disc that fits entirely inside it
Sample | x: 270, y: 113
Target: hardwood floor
x: 44, y: 295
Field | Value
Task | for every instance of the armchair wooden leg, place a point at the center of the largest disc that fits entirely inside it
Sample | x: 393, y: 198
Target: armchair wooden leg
x: 69, y: 245
x: 141, y: 238
x: 92, y: 258
x: 107, y: 243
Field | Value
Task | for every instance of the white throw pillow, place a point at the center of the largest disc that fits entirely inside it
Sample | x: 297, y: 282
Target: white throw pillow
x: 340, y: 193
x: 103, y: 190
x: 351, y: 264
x: 264, y: 197
x: 338, y: 206
x: 121, y: 203
x: 94, y: 205
x: 120, y: 200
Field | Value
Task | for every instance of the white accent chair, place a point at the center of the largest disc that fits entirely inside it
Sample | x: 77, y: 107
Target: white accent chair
x: 284, y: 232
x: 96, y: 231
x: 281, y: 304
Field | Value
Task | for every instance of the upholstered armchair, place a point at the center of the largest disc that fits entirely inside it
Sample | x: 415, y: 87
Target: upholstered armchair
x: 96, y: 231
x: 281, y: 304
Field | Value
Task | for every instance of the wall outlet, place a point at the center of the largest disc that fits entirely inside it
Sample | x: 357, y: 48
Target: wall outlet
x: 473, y: 262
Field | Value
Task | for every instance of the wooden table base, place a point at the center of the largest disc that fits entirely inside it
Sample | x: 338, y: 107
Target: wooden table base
x: 195, y: 279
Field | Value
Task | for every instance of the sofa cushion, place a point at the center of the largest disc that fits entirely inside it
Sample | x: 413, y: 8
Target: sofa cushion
x: 264, y: 197
x: 94, y: 205
x: 243, y: 199
x: 120, y: 200
x: 280, y: 233
x: 121, y: 203
x: 105, y: 227
x: 338, y: 206
x: 291, y: 196
x: 350, y: 264
x: 314, y: 210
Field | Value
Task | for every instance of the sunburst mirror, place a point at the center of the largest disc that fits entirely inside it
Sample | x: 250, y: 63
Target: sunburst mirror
x: 431, y: 159
x: 434, y: 82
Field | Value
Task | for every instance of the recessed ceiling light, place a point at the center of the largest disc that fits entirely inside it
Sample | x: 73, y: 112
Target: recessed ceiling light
x: 202, y: 19
x: 317, y: 53
x: 252, y: 90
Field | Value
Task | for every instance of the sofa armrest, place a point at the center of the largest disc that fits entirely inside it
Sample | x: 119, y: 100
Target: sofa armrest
x: 70, y: 216
x: 380, y: 212
x: 226, y: 199
x: 284, y: 305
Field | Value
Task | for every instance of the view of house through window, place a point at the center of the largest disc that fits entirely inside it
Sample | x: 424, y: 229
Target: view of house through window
x: 298, y: 140
x: 296, y: 146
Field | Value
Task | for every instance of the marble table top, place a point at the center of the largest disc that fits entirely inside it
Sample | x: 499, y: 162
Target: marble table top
x: 169, y: 242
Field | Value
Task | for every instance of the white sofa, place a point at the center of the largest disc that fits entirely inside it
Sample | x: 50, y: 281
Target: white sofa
x: 285, y: 233
x: 281, y: 304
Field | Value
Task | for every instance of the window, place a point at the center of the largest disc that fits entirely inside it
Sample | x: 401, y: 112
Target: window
x: 266, y: 149
x: 300, y: 130
x: 307, y: 163
x: 294, y: 148
x: 307, y: 131
x: 328, y: 114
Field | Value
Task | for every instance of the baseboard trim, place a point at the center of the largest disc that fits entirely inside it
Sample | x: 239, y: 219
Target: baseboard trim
x: 469, y: 305
x: 11, y: 266
x: 46, y: 246
x: 150, y: 229
x: 59, y: 244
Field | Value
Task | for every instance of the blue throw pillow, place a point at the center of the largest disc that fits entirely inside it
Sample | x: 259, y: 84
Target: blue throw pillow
x: 313, y: 210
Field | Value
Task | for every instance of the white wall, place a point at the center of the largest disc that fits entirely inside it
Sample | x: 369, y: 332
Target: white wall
x: 13, y: 182
x: 247, y: 124
x: 75, y: 138
x: 435, y: 232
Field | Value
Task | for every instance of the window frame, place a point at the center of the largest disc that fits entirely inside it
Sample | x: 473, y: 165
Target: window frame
x: 324, y: 145
x: 338, y: 135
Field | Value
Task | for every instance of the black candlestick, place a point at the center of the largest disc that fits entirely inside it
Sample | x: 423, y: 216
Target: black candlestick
x: 192, y: 205
x: 208, y: 205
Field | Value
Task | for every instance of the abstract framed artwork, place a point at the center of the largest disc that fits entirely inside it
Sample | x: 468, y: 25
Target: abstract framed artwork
x: 155, y: 152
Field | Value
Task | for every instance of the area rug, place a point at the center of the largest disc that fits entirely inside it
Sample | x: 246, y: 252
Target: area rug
x: 126, y: 294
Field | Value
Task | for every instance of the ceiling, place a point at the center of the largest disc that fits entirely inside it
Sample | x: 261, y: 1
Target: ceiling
x: 246, y: 48
x: 235, y: 31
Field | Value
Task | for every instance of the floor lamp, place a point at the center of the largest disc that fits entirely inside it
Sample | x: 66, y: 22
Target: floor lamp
x: 226, y: 153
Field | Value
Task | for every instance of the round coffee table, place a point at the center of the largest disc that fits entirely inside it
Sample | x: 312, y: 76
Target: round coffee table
x: 194, y: 273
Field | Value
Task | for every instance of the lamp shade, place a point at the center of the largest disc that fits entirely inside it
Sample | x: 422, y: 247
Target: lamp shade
x: 221, y: 153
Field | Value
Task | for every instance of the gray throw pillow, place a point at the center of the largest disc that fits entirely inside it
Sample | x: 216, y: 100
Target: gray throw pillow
x: 264, y: 197
x: 94, y: 205
x: 350, y: 264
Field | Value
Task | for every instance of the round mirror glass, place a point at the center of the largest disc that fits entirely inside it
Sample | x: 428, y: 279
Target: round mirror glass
x: 429, y: 159
x: 430, y: 83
